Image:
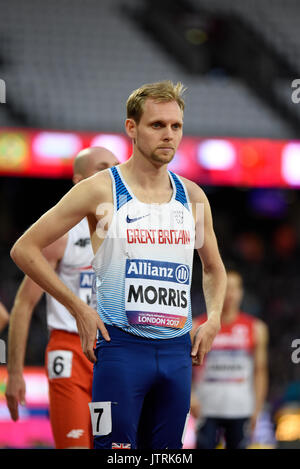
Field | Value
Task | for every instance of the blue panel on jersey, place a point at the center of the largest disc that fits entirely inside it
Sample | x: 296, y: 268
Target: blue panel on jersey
x: 86, y: 279
x: 157, y: 270
x: 180, y: 192
x: 122, y: 193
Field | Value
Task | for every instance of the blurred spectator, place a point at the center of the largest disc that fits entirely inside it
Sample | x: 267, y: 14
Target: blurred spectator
x: 250, y: 247
x: 285, y: 241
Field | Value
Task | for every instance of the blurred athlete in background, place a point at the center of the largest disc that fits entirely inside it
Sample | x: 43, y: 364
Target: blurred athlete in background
x: 69, y: 371
x: 230, y: 388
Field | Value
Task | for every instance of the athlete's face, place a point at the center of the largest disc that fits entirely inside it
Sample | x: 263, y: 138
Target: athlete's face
x: 234, y: 291
x: 159, y: 131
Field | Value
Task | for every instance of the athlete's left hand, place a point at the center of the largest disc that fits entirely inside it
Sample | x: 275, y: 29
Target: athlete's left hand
x: 203, y: 339
x: 88, y: 322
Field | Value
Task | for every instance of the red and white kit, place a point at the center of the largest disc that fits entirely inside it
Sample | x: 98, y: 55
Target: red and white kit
x: 224, y: 384
x: 68, y: 370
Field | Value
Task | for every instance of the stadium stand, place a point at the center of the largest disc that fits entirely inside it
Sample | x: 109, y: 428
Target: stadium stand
x: 76, y: 75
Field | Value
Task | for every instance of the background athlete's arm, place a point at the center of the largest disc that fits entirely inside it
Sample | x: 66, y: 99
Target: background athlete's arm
x: 213, y: 274
x: 27, y: 297
x: 260, y: 368
x: 4, y: 316
x: 79, y: 202
x: 195, y: 406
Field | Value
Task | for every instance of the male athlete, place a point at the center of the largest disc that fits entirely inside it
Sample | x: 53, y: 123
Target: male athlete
x: 143, y: 220
x: 230, y: 388
x: 68, y: 370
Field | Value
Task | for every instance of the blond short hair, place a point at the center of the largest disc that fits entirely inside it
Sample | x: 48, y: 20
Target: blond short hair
x: 163, y: 91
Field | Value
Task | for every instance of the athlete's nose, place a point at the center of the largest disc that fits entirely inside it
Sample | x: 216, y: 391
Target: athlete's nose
x: 168, y: 133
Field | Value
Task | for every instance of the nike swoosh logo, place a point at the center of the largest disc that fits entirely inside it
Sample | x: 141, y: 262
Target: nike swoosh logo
x: 131, y: 220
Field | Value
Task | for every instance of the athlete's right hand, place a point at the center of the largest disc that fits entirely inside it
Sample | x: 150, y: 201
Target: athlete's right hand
x: 15, y: 394
x: 88, y: 322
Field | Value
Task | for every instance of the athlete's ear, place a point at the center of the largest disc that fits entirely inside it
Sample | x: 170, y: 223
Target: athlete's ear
x: 130, y: 126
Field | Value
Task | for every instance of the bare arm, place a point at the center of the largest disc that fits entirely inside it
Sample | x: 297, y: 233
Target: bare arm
x: 28, y: 295
x: 214, y: 276
x: 79, y: 202
x: 260, y: 369
x: 195, y: 406
x: 4, y: 317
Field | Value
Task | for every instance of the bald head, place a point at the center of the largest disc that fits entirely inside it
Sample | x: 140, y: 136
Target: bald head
x: 90, y: 161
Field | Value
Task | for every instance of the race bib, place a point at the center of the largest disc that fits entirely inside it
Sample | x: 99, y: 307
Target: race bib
x: 101, y: 417
x: 60, y: 364
x: 86, y: 286
x: 157, y: 293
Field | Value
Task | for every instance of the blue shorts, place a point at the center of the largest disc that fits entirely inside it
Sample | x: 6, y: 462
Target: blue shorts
x: 141, y: 391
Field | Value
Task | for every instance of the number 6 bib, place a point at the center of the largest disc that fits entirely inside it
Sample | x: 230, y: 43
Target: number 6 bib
x: 60, y: 364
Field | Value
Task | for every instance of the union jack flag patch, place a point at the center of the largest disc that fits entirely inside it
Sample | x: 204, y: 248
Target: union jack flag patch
x: 121, y: 446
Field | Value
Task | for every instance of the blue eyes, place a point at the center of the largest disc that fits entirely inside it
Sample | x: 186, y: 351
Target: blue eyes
x: 157, y: 125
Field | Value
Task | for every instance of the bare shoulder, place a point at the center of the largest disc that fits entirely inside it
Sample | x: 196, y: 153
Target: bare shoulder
x: 99, y: 184
x: 94, y: 190
x: 195, y: 193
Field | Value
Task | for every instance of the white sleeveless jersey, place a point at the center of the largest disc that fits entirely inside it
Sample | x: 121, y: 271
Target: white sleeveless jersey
x: 224, y: 384
x: 144, y: 266
x: 76, y: 272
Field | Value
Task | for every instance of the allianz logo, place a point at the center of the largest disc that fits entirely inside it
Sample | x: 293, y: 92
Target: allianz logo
x: 147, y: 269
